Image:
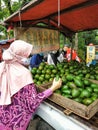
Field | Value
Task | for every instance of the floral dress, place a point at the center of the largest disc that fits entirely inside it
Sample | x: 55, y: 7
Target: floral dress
x: 17, y: 115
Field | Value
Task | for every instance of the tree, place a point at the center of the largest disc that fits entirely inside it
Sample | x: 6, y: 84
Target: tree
x: 8, y: 7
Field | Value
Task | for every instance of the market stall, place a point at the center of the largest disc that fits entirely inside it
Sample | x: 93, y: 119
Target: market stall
x: 67, y: 17
x: 4, y: 44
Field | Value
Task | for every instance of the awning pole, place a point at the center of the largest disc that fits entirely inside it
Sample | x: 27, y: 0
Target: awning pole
x: 20, y: 19
x: 58, y: 13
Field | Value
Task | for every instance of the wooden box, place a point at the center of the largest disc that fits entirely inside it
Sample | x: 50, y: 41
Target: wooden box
x: 72, y: 106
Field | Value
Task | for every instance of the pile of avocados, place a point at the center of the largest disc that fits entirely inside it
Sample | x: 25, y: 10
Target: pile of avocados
x: 75, y: 80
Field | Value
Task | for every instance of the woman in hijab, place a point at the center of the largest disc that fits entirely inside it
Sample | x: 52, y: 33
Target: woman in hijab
x: 18, y: 96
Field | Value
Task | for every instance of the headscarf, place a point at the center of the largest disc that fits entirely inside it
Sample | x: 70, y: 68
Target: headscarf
x: 13, y: 75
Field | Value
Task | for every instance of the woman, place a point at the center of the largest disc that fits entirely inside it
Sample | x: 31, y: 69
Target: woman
x: 70, y: 54
x: 18, y: 96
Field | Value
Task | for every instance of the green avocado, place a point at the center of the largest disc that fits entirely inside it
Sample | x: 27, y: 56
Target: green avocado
x: 78, y: 99
x: 87, y: 75
x: 87, y: 101
x: 66, y: 95
x: 96, y: 90
x: 64, y: 87
x: 67, y: 91
x: 78, y: 82
x: 71, y: 84
x: 69, y: 77
x: 86, y: 82
x: 75, y: 92
x: 89, y: 89
x: 85, y: 94
x: 94, y: 85
x: 57, y: 78
x: 94, y: 98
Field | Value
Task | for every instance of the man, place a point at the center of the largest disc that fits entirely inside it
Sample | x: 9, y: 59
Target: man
x: 36, y: 59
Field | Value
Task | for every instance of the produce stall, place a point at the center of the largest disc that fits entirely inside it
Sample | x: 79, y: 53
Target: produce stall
x: 4, y: 44
x: 72, y: 112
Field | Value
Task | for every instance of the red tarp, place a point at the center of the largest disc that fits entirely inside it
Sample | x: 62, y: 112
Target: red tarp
x: 75, y: 15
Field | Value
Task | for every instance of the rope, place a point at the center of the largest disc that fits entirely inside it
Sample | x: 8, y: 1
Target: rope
x: 20, y: 19
x: 58, y: 13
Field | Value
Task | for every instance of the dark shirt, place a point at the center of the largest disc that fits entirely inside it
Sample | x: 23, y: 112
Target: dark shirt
x: 35, y: 60
x: 54, y: 56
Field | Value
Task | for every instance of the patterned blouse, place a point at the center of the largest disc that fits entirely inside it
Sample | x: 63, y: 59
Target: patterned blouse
x: 17, y: 115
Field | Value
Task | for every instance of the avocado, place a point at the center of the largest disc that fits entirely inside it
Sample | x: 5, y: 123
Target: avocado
x: 78, y: 99
x: 78, y: 82
x: 87, y: 101
x: 85, y: 94
x: 69, y: 77
x: 96, y: 90
x: 94, y: 85
x: 66, y: 95
x: 67, y: 91
x: 71, y: 84
x: 89, y: 89
x: 64, y: 87
x: 75, y: 92
x: 86, y: 82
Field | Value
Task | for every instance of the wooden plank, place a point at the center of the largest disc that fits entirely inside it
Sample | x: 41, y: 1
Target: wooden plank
x: 67, y: 112
x: 94, y: 81
x: 92, y: 108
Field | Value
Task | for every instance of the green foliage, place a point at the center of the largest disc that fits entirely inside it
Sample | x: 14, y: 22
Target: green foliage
x: 15, y: 6
x: 3, y: 32
x: 84, y: 38
x: 90, y: 36
x: 6, y: 10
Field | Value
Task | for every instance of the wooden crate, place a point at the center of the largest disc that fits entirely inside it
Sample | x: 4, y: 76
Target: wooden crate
x: 94, y: 81
x: 72, y: 106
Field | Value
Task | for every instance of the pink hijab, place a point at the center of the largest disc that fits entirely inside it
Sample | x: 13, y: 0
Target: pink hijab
x: 13, y: 75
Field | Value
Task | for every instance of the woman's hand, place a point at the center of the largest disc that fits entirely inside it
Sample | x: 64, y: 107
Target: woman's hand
x: 56, y: 84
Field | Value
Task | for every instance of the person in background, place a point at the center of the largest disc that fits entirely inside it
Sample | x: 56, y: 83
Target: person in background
x: 36, y: 59
x: 19, y: 98
x: 68, y: 51
x: 52, y: 58
x: 60, y: 56
x: 55, y: 57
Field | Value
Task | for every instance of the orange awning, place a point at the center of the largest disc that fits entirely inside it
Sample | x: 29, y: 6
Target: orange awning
x: 75, y: 15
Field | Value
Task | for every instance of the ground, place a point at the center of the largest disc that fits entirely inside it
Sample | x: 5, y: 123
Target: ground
x: 39, y: 124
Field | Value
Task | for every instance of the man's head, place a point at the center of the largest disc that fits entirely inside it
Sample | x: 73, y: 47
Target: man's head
x: 66, y: 46
x: 41, y: 54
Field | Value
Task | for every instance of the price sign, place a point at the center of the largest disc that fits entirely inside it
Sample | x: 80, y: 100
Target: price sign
x: 41, y: 39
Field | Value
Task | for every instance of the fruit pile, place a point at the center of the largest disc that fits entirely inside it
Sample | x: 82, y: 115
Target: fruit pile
x: 44, y: 73
x: 75, y: 83
x: 80, y: 90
